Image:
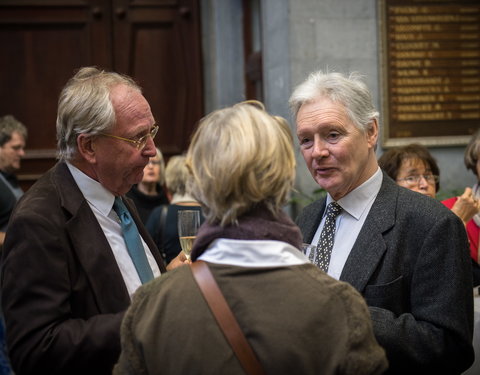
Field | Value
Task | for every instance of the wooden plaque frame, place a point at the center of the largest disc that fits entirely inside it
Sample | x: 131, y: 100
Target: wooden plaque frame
x: 430, y: 53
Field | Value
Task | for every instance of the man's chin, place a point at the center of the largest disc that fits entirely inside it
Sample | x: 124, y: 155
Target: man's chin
x: 139, y: 177
x: 323, y: 181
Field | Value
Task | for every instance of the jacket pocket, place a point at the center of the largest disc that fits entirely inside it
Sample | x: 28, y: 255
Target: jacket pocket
x: 388, y: 296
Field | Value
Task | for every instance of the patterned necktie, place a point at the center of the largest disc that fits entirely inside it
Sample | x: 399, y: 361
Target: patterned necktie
x: 325, y: 243
x: 133, y: 241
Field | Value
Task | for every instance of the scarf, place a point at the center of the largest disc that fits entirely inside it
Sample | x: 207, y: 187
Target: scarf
x: 257, y: 224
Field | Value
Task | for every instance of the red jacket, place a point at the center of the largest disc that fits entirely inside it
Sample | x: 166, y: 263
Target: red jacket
x: 473, y: 231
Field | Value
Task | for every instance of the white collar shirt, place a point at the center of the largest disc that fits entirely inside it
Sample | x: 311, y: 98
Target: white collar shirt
x: 101, y: 201
x: 253, y: 253
x: 356, y: 205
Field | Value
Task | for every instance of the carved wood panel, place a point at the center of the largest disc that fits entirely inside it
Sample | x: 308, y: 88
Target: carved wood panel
x: 43, y: 42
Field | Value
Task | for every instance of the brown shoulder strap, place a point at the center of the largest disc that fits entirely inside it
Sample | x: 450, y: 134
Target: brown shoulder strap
x: 225, y: 318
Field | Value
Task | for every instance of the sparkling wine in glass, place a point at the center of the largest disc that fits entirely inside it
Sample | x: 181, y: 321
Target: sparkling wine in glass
x: 188, y: 224
x: 309, y: 250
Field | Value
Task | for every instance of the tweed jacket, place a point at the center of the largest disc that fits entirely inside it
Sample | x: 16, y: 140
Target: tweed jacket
x: 410, y: 262
x: 63, y: 294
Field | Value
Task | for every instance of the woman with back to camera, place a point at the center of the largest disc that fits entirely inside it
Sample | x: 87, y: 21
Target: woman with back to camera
x: 413, y: 167
x: 297, y: 319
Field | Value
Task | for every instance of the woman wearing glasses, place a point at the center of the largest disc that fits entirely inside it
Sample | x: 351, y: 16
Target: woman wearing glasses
x: 413, y: 167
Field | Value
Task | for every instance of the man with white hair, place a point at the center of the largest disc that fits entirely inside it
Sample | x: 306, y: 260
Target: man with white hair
x: 404, y: 252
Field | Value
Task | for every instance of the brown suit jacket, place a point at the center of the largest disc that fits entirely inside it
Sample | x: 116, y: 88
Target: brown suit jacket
x: 63, y: 295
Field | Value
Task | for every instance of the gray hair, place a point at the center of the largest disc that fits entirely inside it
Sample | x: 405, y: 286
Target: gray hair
x: 85, y: 107
x: 472, y: 153
x: 350, y: 91
x: 9, y: 125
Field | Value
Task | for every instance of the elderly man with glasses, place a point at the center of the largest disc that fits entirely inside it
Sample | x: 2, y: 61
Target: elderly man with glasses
x: 76, y: 250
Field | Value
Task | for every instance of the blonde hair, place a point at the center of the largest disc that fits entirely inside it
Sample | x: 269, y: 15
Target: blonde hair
x: 177, y: 175
x: 241, y: 156
x: 159, y: 157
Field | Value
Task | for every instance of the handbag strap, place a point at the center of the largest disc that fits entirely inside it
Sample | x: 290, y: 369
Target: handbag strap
x: 225, y: 318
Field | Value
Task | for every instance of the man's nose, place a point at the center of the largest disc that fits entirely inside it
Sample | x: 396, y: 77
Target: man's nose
x: 422, y: 182
x: 149, y: 148
x: 320, y: 149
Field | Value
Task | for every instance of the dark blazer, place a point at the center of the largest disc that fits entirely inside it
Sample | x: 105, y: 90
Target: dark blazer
x: 63, y: 295
x: 7, y: 203
x: 411, y: 264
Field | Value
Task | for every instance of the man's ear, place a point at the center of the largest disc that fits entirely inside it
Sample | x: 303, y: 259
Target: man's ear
x: 372, y: 133
x: 86, y: 147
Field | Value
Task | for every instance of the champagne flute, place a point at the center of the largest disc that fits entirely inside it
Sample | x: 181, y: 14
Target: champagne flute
x: 309, y: 250
x: 188, y: 224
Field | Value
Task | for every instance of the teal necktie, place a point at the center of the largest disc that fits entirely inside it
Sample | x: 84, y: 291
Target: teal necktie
x: 133, y: 241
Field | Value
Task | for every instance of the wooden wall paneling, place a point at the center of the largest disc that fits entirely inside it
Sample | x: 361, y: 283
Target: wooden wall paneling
x: 158, y: 43
x: 42, y: 43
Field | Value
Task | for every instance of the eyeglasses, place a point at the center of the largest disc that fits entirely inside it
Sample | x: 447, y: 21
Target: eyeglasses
x: 415, y: 179
x: 153, y: 162
x: 140, y: 142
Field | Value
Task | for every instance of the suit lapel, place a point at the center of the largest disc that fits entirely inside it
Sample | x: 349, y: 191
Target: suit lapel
x: 370, y: 244
x: 312, y: 220
x: 91, y: 246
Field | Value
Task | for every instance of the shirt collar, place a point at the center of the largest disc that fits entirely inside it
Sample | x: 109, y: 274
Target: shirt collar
x: 359, y: 198
x: 253, y: 253
x: 92, y: 190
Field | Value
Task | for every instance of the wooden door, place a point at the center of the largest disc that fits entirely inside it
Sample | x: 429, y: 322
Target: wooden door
x: 43, y: 42
x: 170, y: 73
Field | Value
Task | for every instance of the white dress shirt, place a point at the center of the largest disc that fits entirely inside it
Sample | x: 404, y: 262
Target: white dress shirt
x: 356, y: 206
x: 101, y: 201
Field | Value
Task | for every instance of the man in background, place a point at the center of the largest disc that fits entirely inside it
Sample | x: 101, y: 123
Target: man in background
x: 404, y: 252
x: 13, y: 135
x: 76, y: 250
